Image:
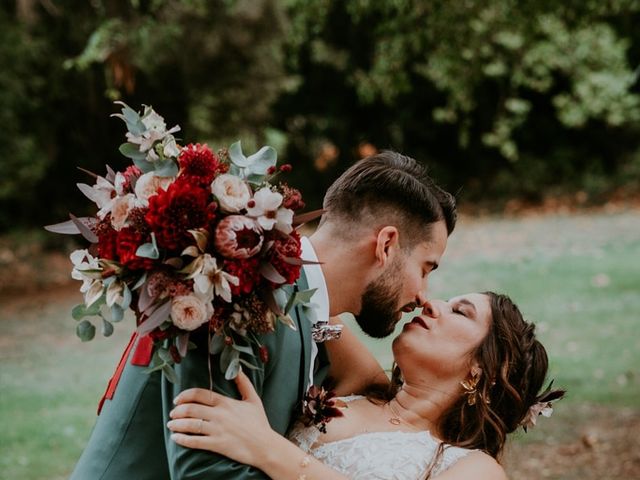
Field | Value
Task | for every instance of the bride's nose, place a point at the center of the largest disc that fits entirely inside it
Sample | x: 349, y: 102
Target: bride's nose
x: 429, y: 309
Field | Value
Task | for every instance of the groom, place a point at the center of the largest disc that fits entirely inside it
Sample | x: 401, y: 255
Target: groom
x: 384, y: 229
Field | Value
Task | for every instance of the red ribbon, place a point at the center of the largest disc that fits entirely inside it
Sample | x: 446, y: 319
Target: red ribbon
x: 141, y: 357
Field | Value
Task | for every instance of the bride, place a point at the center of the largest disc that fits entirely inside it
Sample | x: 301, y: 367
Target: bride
x: 467, y: 372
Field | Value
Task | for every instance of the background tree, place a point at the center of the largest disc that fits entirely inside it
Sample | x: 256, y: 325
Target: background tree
x: 500, y: 98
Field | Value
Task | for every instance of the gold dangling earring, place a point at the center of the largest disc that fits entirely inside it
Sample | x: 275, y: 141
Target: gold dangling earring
x: 470, y: 385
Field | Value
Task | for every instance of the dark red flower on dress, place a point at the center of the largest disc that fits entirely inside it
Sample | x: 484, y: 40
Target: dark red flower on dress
x: 284, y: 249
x: 128, y: 242
x: 199, y: 164
x: 319, y: 407
x: 248, y: 272
x: 182, y: 207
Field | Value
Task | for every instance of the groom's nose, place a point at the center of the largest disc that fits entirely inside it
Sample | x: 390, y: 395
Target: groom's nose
x: 430, y: 310
x: 421, y: 299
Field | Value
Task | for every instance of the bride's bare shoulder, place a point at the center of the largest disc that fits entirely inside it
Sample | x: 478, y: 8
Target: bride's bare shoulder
x: 476, y: 465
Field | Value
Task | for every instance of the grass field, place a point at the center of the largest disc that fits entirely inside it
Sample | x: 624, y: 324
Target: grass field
x: 577, y: 277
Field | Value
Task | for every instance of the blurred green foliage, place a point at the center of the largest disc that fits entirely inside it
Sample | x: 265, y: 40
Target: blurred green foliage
x: 500, y: 98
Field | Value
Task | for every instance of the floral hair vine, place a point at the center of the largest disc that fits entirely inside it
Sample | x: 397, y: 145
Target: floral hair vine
x: 543, y: 406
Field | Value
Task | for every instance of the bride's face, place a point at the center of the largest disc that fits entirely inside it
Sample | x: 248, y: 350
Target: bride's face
x: 444, y: 336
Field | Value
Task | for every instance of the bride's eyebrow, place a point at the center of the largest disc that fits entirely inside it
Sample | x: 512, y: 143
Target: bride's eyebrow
x: 464, y: 301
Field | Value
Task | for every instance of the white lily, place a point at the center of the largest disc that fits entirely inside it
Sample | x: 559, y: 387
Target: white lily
x: 210, y: 281
x: 115, y: 293
x: 266, y: 212
x: 83, y: 261
x: 156, y: 130
x: 102, y: 194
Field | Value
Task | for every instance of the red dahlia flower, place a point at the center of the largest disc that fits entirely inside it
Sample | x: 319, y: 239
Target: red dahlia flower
x: 282, y: 248
x: 199, y: 164
x: 248, y: 272
x: 183, y: 206
x: 128, y: 242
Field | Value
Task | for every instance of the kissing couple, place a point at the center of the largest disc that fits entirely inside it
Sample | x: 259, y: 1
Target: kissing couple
x: 467, y: 371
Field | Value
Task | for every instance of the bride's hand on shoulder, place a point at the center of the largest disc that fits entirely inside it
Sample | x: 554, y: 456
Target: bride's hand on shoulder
x: 238, y: 429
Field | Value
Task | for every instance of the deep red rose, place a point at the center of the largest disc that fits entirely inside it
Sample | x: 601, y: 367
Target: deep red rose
x: 287, y: 247
x: 107, y: 239
x: 248, y: 272
x: 128, y: 242
x: 182, y: 207
x: 199, y: 164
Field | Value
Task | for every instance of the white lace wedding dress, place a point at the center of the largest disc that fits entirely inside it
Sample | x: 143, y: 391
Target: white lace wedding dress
x: 392, y: 455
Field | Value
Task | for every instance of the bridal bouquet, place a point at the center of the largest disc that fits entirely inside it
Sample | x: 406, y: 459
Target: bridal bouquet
x: 187, y: 238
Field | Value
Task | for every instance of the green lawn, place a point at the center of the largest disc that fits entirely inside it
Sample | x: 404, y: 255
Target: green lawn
x: 577, y: 277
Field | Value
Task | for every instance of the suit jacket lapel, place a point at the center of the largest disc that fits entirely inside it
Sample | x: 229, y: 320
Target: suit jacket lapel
x: 304, y: 327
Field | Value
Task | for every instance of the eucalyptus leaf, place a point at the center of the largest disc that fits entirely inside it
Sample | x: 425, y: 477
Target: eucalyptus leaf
x: 165, y: 168
x: 157, y: 318
x: 149, y: 250
x: 182, y: 343
x: 249, y: 364
x: 85, y: 231
x: 233, y: 369
x: 126, y: 297
x: 144, y: 165
x: 144, y: 299
x: 269, y: 272
x: 81, y: 310
x: 153, y: 368
x: 288, y: 321
x: 66, y: 228
x: 140, y: 282
x: 216, y: 345
x: 132, y: 151
x: 236, y: 156
x: 85, y: 330
x: 243, y: 349
x: 164, y: 354
x: 117, y: 313
x: 107, y: 328
x: 262, y: 160
x: 131, y: 118
x: 170, y: 373
x: 298, y: 298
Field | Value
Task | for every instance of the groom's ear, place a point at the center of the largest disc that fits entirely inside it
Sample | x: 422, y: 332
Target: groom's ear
x: 387, y: 245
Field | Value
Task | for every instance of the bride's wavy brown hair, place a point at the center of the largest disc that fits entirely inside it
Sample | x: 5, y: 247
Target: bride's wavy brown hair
x: 514, y: 365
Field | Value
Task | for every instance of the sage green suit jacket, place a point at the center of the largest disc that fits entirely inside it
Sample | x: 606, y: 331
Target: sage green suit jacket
x: 130, y: 439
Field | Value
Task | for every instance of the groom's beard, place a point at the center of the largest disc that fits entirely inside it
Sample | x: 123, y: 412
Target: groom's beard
x: 380, y: 311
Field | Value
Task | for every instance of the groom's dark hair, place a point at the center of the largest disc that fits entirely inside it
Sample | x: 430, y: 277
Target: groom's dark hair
x: 390, y: 188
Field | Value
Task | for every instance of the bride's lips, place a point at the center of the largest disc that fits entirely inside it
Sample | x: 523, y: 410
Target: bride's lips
x: 419, y: 321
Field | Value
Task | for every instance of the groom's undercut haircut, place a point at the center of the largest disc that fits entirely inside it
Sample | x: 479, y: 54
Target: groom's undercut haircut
x: 392, y: 189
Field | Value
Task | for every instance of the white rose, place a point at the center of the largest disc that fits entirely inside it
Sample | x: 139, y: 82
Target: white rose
x: 232, y: 193
x: 149, y: 184
x: 120, y: 210
x: 188, y: 312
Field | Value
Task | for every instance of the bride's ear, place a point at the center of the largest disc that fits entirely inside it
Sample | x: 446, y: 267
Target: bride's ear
x: 387, y: 245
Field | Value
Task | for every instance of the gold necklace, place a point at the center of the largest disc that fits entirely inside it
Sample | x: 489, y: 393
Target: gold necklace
x: 396, y: 419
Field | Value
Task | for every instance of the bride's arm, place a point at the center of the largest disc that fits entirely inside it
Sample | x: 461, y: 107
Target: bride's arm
x: 363, y: 368
x: 240, y: 430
